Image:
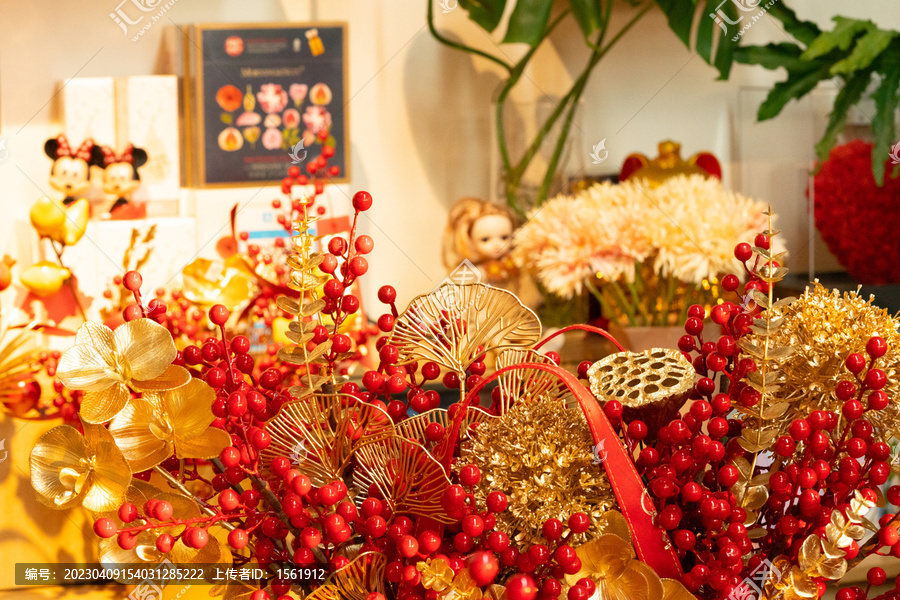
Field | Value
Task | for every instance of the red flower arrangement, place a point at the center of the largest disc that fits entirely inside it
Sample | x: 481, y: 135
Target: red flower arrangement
x: 538, y: 488
x: 857, y: 218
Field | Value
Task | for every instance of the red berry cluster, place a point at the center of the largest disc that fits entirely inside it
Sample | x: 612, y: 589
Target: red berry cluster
x: 689, y: 464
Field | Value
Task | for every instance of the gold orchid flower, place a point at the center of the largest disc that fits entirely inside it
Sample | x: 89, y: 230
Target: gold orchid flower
x: 68, y: 469
x: 150, y: 429
x: 105, y: 363
x: 609, y: 561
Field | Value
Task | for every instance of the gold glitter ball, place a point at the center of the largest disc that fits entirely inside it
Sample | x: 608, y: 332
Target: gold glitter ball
x: 824, y: 327
x: 540, y: 454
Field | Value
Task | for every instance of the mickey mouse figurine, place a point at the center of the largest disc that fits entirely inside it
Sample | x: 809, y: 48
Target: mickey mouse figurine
x: 71, y: 171
x: 121, y: 178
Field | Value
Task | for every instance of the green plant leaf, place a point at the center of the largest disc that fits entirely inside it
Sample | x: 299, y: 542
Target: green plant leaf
x: 804, y: 31
x: 866, y: 50
x: 680, y: 14
x: 848, y: 96
x: 705, y: 31
x: 798, y: 84
x: 486, y: 13
x: 725, y: 54
x: 839, y: 38
x: 589, y: 14
x: 771, y: 56
x: 528, y: 21
x: 886, y: 100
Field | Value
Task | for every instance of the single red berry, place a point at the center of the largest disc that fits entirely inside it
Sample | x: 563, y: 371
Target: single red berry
x: 876, y: 347
x: 132, y: 281
x: 105, y: 528
x: 855, y: 362
x: 469, y: 475
x: 579, y: 522
x: 496, y: 501
x: 521, y: 587
x: 387, y: 294
x: 362, y: 201
x: 743, y: 252
x: 218, y: 314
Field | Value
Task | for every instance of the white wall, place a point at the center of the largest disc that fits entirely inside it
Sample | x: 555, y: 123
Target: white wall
x: 420, y: 112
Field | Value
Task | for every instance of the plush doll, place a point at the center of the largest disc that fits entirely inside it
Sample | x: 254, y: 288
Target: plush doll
x: 480, y: 232
x: 121, y: 178
x: 71, y: 171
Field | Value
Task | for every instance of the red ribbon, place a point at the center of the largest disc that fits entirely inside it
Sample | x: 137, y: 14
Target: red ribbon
x: 651, y: 543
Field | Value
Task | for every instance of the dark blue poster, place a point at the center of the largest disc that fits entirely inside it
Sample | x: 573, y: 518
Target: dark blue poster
x: 270, y: 98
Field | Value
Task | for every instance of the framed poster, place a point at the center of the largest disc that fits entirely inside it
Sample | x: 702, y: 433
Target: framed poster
x: 265, y: 97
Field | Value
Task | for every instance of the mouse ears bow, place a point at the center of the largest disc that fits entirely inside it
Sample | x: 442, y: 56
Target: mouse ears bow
x: 110, y: 157
x: 64, y: 148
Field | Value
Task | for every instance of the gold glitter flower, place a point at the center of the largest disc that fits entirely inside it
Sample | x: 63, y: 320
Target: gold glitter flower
x: 609, y: 561
x: 104, y: 363
x: 539, y: 453
x: 823, y: 327
x: 68, y: 469
x: 150, y: 429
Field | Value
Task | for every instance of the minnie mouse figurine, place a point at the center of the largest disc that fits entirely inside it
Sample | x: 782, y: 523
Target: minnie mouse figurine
x: 71, y: 171
x: 121, y: 178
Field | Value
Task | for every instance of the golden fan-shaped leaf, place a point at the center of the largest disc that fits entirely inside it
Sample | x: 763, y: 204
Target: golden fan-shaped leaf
x: 409, y: 477
x: 321, y: 432
x: 810, y: 552
x: 364, y: 575
x: 527, y: 383
x: 455, y: 324
x: 414, y: 427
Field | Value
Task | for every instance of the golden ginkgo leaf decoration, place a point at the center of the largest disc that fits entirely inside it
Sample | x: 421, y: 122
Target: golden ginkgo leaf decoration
x: 364, y: 575
x: 408, y: 476
x: 105, y: 364
x: 150, y: 429
x: 321, y: 432
x: 414, y: 427
x: 525, y: 384
x: 68, y: 469
x: 455, y: 324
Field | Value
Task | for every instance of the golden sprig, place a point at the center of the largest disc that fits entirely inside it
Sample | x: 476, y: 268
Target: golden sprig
x: 767, y: 379
x: 305, y: 278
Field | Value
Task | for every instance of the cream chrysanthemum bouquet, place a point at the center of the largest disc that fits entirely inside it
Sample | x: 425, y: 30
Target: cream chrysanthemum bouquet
x: 646, y: 253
